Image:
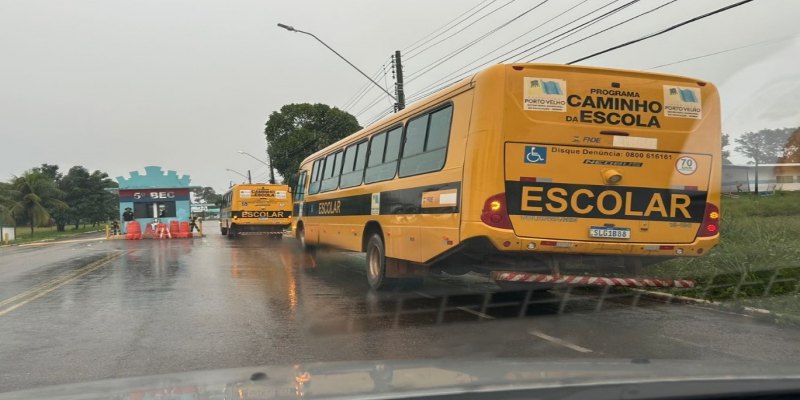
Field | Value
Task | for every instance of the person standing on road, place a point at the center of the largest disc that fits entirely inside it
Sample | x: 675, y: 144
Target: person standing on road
x: 193, y: 225
x: 127, y: 216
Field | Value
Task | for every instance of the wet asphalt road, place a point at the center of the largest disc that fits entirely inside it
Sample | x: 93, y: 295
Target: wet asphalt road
x: 95, y: 309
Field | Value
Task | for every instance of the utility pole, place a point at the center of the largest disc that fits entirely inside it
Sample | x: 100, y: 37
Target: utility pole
x: 249, y: 179
x: 397, y: 71
x: 271, y: 169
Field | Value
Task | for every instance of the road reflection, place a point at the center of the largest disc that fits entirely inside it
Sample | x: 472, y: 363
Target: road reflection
x: 269, y: 265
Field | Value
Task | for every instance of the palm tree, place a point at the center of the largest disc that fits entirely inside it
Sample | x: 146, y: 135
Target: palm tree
x: 6, y: 204
x: 33, y: 194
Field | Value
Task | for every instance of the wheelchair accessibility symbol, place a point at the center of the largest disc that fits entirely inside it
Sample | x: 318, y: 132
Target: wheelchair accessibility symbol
x: 535, y: 155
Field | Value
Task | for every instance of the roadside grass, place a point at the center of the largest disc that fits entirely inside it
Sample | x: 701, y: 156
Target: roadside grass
x: 757, y: 262
x: 50, y: 233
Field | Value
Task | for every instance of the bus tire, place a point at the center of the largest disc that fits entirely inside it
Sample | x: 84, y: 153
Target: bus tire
x: 376, y: 264
x: 231, y: 232
x: 301, y: 238
x: 223, y: 231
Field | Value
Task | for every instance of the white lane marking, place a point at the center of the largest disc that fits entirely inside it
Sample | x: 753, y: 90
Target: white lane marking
x: 473, y: 312
x: 465, y: 309
x: 559, y: 342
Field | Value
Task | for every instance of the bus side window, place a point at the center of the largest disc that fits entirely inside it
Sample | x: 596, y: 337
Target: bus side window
x: 376, y: 148
x: 300, y: 192
x: 383, y: 162
x: 333, y: 167
x: 425, y: 147
x: 313, y: 187
x: 353, y: 168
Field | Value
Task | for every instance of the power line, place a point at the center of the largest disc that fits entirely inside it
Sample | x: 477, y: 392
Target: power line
x: 460, y: 50
x: 603, y: 30
x: 418, y: 43
x: 365, y: 88
x: 458, y: 73
x: 425, y: 93
x: 661, y: 32
x: 721, y: 52
x: 410, y: 56
x: 568, y: 30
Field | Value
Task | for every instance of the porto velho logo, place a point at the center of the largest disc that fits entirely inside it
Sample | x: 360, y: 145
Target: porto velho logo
x: 541, y: 86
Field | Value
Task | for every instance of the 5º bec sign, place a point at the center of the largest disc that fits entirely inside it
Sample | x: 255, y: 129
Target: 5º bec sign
x: 139, y: 195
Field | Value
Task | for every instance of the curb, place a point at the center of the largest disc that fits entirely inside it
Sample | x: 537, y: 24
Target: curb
x: 50, y: 240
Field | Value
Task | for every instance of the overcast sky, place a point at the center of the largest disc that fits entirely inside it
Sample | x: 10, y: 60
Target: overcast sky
x: 117, y: 85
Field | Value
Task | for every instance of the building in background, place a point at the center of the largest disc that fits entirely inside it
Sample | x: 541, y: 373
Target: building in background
x: 771, y: 177
x: 205, y: 210
x: 155, y: 196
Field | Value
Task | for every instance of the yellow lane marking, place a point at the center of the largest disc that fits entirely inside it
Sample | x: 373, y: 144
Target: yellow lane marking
x: 61, y: 241
x: 42, y: 290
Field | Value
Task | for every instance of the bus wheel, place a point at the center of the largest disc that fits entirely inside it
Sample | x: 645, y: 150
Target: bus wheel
x: 223, y: 231
x: 231, y: 232
x: 301, y: 237
x: 376, y: 264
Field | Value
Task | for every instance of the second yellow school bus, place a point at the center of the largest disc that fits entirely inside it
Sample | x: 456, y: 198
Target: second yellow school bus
x: 256, y: 208
x: 524, y: 167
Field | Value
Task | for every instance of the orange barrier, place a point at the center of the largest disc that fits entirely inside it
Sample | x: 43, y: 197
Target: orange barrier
x: 173, y: 227
x: 133, y: 231
x: 185, y: 230
x: 161, y: 231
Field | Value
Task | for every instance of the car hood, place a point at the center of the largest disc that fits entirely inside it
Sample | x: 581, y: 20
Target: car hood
x: 408, y: 379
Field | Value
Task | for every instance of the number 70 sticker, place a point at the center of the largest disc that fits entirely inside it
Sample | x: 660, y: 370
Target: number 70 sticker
x: 686, y: 165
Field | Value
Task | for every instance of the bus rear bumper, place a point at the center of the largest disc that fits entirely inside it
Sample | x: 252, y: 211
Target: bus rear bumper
x: 505, y: 240
x: 583, y: 280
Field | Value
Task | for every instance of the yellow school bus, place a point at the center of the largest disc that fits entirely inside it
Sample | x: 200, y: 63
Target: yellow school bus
x: 524, y: 167
x: 256, y: 208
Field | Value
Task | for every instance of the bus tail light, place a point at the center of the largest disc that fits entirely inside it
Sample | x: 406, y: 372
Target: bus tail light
x: 710, y: 225
x: 495, y: 212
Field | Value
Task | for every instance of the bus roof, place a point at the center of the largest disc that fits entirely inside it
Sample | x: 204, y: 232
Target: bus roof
x: 419, y: 105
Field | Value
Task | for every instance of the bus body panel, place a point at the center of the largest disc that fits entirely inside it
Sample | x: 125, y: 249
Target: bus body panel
x: 418, y: 215
x: 257, y: 208
x: 554, y: 146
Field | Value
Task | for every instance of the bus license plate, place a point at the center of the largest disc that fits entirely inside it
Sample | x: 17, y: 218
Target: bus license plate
x: 609, y: 233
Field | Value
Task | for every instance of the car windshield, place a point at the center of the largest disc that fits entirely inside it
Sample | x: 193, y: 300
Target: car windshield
x: 196, y: 186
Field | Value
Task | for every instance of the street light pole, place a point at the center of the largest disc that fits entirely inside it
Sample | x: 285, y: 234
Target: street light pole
x: 240, y: 174
x: 292, y: 29
x: 268, y: 164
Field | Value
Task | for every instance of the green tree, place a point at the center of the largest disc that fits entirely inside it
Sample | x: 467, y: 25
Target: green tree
x: 88, y: 196
x: 34, y: 194
x: 726, y: 154
x: 791, y: 151
x: 298, y: 130
x: 61, y: 215
x: 6, y: 204
x: 765, y: 146
x: 206, y: 194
